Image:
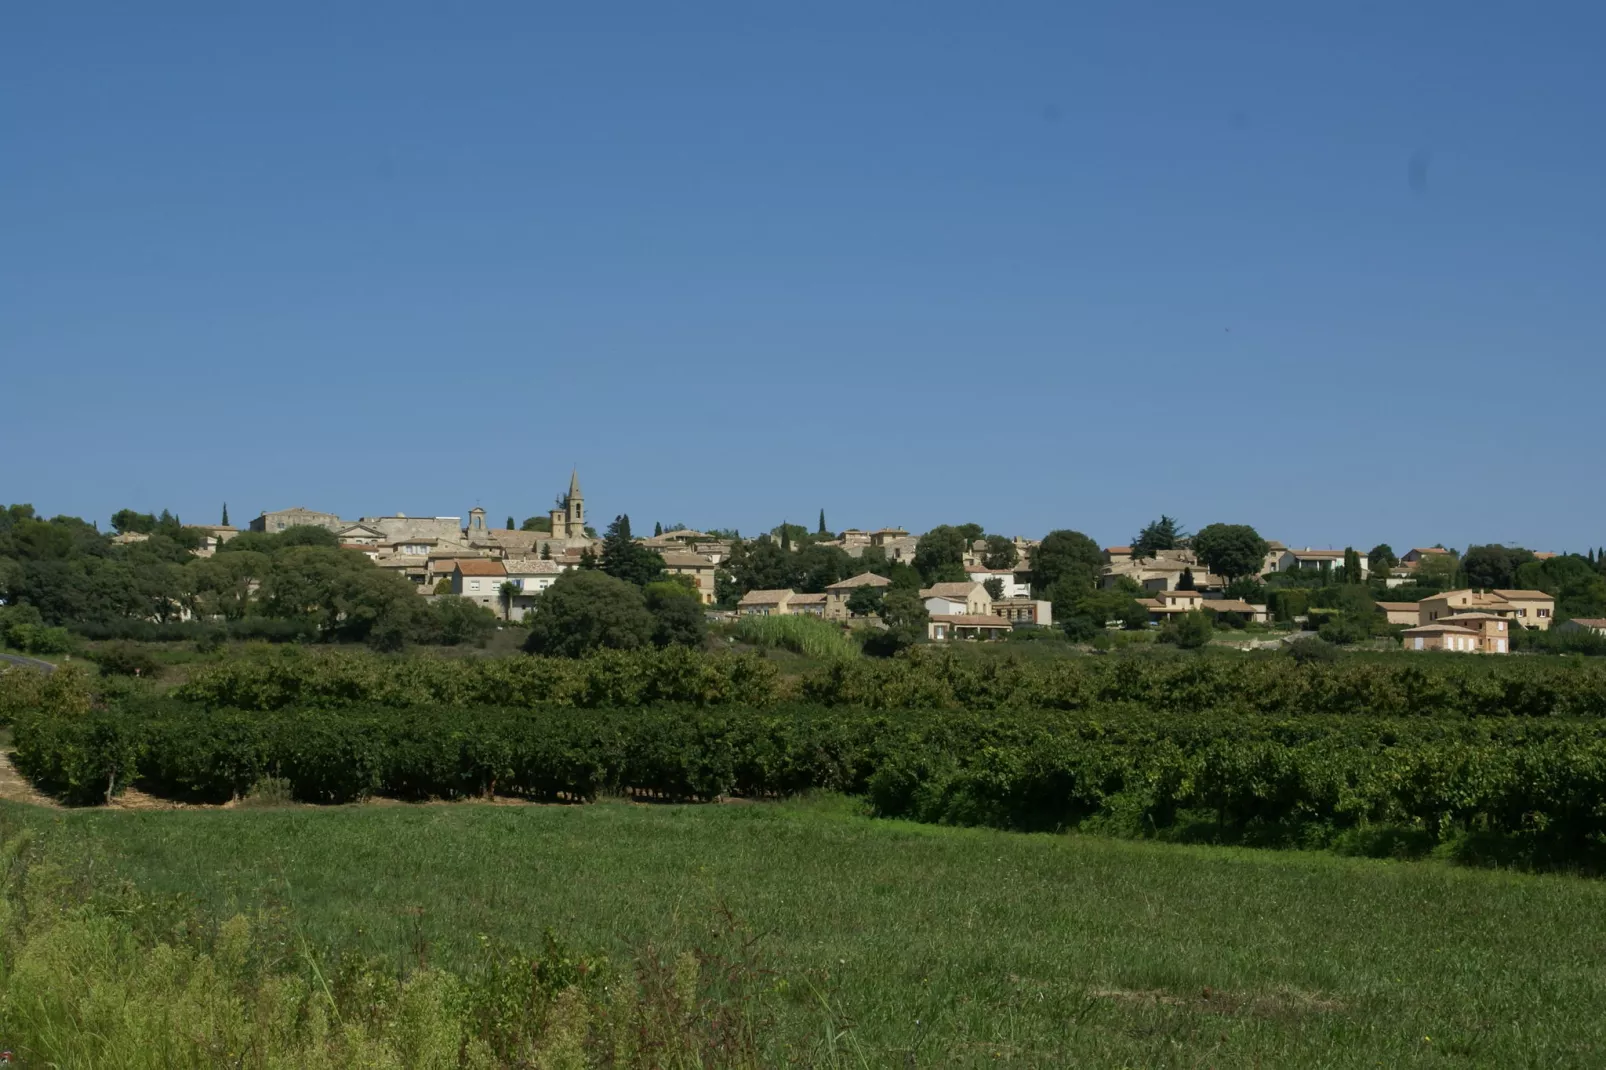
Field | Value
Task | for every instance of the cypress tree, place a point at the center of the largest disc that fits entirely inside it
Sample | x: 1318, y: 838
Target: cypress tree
x: 822, y: 523
x: 225, y: 514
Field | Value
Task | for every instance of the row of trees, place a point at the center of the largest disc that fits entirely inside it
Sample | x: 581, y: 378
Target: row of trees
x: 70, y: 575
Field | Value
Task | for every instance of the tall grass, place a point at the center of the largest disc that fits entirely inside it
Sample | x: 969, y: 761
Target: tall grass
x: 809, y: 636
x: 130, y: 981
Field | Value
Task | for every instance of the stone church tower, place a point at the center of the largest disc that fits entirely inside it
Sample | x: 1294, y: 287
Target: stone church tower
x: 570, y: 521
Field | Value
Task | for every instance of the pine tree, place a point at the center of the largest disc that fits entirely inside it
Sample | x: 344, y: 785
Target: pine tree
x: 546, y: 551
x: 225, y: 514
x: 822, y: 523
x: 786, y: 537
x: 510, y: 524
x: 657, y: 528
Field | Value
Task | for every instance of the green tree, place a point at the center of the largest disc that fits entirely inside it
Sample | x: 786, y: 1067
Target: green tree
x: 1231, y: 550
x: 589, y: 610
x: 225, y: 514
x: 994, y: 586
x: 865, y: 601
x: 1247, y: 589
x: 507, y: 592
x: 1382, y: 558
x: 1066, y: 556
x: 459, y: 621
x: 657, y: 529
x: 542, y: 524
x: 1163, y: 534
x: 678, y: 615
x: 1352, y: 565
x: 1437, y: 572
x: 905, y: 618
x: 1185, y: 582
x: 1000, y: 553
x: 510, y: 524
x: 822, y: 533
x: 1189, y: 631
x: 943, y: 545
x: 625, y: 559
x: 127, y: 521
x: 1493, y: 566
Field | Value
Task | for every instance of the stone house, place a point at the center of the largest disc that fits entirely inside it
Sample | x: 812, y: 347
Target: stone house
x: 811, y: 605
x: 1404, y: 614
x: 296, y: 517
x: 837, y: 595
x: 700, y: 569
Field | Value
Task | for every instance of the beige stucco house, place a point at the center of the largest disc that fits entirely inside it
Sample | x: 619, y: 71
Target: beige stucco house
x: 1530, y: 609
x: 764, y: 603
x: 969, y: 598
x: 699, y: 568
x: 945, y: 626
x: 1473, y: 633
x: 480, y: 579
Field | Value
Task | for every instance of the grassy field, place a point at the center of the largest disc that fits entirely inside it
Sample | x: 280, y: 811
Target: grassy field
x: 912, y: 945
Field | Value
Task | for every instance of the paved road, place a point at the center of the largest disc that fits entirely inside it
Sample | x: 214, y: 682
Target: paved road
x: 28, y: 663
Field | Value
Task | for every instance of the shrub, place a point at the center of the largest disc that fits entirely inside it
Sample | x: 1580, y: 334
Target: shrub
x: 127, y: 659
x: 1311, y: 650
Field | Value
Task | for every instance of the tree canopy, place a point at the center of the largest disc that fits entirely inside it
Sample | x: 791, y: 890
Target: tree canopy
x: 1066, y: 556
x: 624, y: 558
x: 1231, y: 550
x: 589, y: 610
x: 1000, y: 553
x: 1493, y: 565
x: 1163, y: 534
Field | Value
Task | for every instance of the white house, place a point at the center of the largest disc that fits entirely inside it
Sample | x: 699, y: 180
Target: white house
x: 1014, y: 582
x: 1315, y: 560
x: 531, y: 575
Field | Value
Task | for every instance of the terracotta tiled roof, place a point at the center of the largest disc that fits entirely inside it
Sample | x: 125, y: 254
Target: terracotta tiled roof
x: 863, y: 579
x: 1398, y: 607
x: 949, y: 590
x: 807, y: 599
x: 1526, y: 596
x: 971, y: 620
x: 1334, y: 555
x: 672, y: 559
x: 1424, y: 629
x: 1598, y: 623
x: 532, y: 566
x: 765, y: 598
x: 480, y: 566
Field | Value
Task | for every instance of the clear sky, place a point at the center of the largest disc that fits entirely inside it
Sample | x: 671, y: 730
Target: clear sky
x: 1336, y: 273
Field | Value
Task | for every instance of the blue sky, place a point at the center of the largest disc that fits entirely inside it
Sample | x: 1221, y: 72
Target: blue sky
x: 1335, y: 273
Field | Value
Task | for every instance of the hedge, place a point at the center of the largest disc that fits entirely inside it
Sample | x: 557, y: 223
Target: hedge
x: 1272, y: 684
x: 1536, y: 786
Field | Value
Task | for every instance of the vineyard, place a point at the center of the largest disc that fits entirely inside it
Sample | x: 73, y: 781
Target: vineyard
x: 1500, y: 759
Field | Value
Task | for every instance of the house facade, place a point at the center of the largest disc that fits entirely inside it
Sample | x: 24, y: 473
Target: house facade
x: 1470, y: 633
x: 480, y: 579
x: 297, y: 517
x: 764, y: 603
x: 699, y: 568
x: 967, y: 598
x: 945, y: 626
x: 1025, y: 611
x: 837, y: 595
x: 1315, y: 560
x: 1529, y: 609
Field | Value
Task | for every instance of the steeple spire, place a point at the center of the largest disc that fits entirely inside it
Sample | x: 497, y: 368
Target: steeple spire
x: 574, y: 482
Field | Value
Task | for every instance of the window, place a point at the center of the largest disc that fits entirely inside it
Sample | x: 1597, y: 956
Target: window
x: 1419, y: 642
x: 1499, y: 646
x: 1544, y: 612
x: 473, y: 585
